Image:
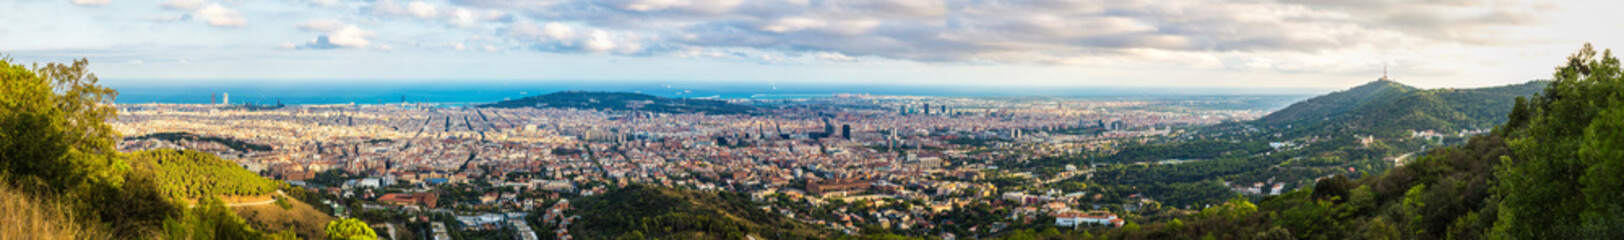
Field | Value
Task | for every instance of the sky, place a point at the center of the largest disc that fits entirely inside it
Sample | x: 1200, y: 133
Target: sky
x: 1288, y: 44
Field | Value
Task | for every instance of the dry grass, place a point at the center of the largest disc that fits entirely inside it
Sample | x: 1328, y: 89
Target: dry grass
x: 25, y: 217
x: 270, y: 218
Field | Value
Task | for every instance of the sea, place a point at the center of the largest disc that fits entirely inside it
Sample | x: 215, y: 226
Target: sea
x: 135, y: 91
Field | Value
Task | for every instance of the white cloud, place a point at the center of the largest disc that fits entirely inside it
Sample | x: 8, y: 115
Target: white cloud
x: 220, y: 16
x: 462, y: 17
x: 91, y: 2
x: 835, y: 57
x: 137, y: 62
x: 209, y: 13
x: 348, y: 36
x: 557, y: 31
x: 599, y: 42
x: 185, y: 5
x: 792, y: 24
x: 351, y: 36
x: 422, y: 10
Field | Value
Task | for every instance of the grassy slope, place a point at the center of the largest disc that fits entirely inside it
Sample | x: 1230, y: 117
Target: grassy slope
x: 207, y: 169
x: 303, y: 218
x: 24, y: 217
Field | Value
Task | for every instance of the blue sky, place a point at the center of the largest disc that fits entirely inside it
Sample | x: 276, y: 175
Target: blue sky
x: 1324, y: 44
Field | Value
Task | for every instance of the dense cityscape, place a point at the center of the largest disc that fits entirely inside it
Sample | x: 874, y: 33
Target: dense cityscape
x: 911, y: 160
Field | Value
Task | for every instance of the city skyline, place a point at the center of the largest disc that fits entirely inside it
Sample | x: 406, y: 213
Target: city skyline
x: 1289, y: 44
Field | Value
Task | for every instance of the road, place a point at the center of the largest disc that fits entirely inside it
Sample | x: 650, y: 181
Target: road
x: 273, y: 200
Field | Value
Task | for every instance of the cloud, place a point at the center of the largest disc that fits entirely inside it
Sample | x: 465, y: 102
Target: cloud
x: 91, y: 2
x: 422, y: 10
x: 219, y: 16
x: 599, y: 42
x: 451, y: 15
x: 559, y: 37
x: 348, y: 36
x: 209, y: 13
x: 835, y: 57
x: 185, y: 5
x: 462, y: 17
x: 1040, y: 31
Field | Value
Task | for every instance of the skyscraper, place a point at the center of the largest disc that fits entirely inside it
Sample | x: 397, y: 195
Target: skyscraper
x: 845, y: 131
x: 927, y: 109
x: 225, y: 98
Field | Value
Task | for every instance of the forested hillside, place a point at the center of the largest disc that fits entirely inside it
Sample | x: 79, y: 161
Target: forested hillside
x: 188, y: 174
x: 62, y: 174
x: 1389, y: 108
x: 624, y: 101
x: 1335, y: 104
x: 649, y: 212
x: 1554, y: 170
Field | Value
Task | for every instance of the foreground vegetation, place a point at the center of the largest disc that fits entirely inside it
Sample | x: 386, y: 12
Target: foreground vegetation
x: 63, y: 178
x: 1552, y: 171
x: 648, y: 212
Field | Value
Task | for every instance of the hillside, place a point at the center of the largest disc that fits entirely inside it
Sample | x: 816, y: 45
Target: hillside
x: 62, y: 176
x: 669, y: 213
x: 188, y: 174
x: 1336, y: 104
x: 26, y: 217
x: 1391, y: 109
x: 1551, y: 171
x: 299, y: 217
x: 623, y: 101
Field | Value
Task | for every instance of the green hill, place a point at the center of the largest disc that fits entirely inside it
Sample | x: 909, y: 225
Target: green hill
x: 623, y: 101
x: 667, y: 213
x: 1335, y: 105
x: 62, y: 174
x: 1551, y: 171
x: 1390, y: 108
x: 188, y: 174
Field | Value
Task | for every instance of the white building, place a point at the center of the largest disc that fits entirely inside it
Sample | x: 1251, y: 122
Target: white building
x: 1070, y: 219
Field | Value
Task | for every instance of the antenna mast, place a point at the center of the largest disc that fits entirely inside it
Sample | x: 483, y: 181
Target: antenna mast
x: 1384, y: 72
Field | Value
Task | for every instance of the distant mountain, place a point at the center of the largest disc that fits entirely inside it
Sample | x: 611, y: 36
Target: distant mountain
x: 1388, y: 107
x: 624, y: 101
x: 641, y: 211
x: 1549, y: 172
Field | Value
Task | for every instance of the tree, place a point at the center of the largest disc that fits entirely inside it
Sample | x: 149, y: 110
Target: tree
x: 1335, y: 187
x: 1379, y: 229
x: 350, y: 229
x: 53, y: 127
x: 1564, y: 179
x: 1276, y: 233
